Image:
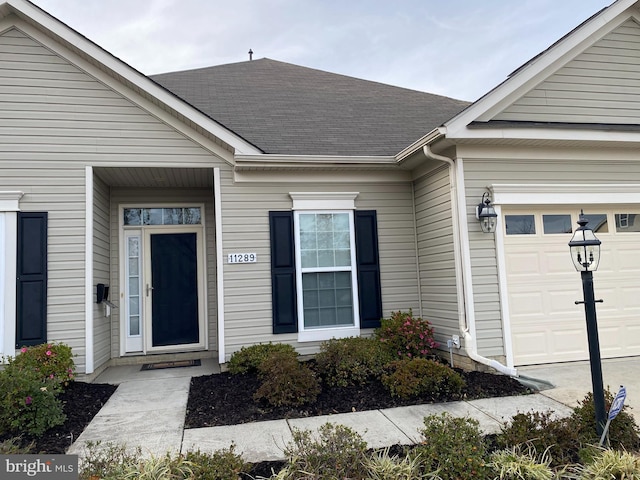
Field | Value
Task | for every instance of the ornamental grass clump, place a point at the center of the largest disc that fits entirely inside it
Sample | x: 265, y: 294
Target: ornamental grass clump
x: 406, y: 336
x: 516, y: 463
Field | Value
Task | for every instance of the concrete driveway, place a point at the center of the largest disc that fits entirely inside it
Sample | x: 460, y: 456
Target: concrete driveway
x: 573, y: 380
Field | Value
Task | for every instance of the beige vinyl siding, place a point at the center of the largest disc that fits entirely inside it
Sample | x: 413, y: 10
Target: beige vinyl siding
x: 245, y: 224
x: 163, y: 197
x: 436, y: 252
x: 101, y: 270
x: 599, y: 86
x: 54, y: 120
x: 484, y: 166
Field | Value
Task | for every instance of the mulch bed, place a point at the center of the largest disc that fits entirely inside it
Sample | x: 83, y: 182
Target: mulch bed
x: 225, y: 399
x: 81, y: 402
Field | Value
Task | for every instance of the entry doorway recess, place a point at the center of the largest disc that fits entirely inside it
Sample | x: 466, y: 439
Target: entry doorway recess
x: 164, y: 292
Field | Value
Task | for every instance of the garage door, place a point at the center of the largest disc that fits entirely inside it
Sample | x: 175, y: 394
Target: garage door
x: 542, y: 284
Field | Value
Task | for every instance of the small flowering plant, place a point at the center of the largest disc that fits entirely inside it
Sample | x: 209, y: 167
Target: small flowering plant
x: 407, y: 336
x: 52, y: 361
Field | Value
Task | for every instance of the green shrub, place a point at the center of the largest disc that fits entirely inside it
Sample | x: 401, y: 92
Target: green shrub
x: 222, y: 464
x: 28, y: 403
x: 406, y: 336
x: 352, y: 361
x: 516, y: 464
x: 336, y: 453
x: 623, y: 431
x: 419, y: 376
x: 53, y: 361
x: 248, y: 359
x: 106, y: 461
x: 452, y: 447
x: 286, y: 381
x: 559, y: 437
x: 611, y: 464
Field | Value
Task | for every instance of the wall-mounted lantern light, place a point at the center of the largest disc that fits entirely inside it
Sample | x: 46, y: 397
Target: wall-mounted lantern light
x: 486, y: 214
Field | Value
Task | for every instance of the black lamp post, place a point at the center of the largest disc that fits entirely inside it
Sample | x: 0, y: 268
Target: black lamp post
x: 585, y: 254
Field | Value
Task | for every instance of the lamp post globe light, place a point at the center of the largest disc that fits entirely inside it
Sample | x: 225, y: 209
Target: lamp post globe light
x: 585, y: 254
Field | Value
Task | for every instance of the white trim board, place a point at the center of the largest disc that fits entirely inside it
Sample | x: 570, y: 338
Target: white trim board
x: 559, y: 194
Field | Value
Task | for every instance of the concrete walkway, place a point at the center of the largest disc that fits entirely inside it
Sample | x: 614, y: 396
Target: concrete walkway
x: 148, y: 410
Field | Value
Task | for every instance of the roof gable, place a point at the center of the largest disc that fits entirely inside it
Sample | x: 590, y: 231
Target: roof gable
x: 598, y: 86
x: 571, y: 82
x: 292, y: 110
x: 33, y: 19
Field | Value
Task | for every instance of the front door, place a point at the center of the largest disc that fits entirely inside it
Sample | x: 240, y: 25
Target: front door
x: 164, y: 304
x: 173, y: 288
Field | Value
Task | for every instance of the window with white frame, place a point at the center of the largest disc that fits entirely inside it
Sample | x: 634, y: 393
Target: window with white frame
x: 326, y: 273
x: 325, y: 270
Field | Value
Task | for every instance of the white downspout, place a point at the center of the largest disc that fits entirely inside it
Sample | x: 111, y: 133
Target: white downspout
x: 462, y: 259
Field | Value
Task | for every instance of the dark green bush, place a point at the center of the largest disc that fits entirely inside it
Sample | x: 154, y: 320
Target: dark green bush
x: 28, y: 403
x: 541, y: 432
x: 286, y: 381
x: 336, y: 453
x: 623, y: 431
x: 248, y: 359
x: 452, y: 447
x: 406, y: 336
x: 571, y: 439
x: 352, y: 361
x: 223, y: 464
x: 419, y: 376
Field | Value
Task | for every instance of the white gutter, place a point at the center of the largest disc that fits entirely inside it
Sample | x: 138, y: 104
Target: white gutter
x: 466, y: 310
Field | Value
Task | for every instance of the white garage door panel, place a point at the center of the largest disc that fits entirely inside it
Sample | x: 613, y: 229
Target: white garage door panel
x: 542, y: 287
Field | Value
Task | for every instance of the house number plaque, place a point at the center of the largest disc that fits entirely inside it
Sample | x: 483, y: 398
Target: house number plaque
x: 242, y: 258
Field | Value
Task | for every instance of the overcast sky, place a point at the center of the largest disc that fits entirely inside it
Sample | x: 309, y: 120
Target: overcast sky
x: 457, y: 48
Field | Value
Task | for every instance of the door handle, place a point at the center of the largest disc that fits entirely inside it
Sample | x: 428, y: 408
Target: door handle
x: 149, y: 288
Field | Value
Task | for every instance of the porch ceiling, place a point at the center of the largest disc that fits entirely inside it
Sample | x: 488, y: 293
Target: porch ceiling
x: 156, y: 177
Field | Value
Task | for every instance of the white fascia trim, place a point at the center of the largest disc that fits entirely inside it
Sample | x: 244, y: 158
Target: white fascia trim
x: 88, y: 270
x: 217, y: 205
x: 558, y: 194
x: 280, y: 161
x: 427, y: 139
x: 324, y: 200
x: 10, y: 201
x: 540, y: 133
x: 526, y: 77
x: 130, y: 74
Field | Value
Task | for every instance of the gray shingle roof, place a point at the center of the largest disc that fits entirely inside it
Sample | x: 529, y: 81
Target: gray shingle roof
x: 292, y: 110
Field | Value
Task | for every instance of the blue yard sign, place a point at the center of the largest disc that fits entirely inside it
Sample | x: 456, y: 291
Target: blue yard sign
x: 618, y: 403
x: 615, y: 409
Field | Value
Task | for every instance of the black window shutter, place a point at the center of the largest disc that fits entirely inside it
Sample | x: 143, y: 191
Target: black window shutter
x: 283, y: 273
x: 31, y: 294
x: 369, y: 292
